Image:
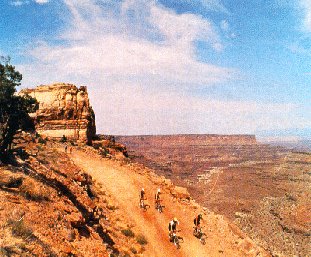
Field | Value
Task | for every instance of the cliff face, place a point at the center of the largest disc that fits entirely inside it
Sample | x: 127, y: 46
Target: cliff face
x: 64, y: 110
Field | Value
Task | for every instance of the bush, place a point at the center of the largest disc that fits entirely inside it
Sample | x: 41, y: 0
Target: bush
x: 141, y: 239
x: 42, y: 141
x: 32, y: 191
x: 128, y: 232
x: 19, y: 229
x: 133, y: 250
x: 11, y: 182
x: 63, y: 139
x: 112, y: 207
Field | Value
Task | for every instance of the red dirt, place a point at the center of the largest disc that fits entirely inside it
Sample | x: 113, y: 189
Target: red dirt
x: 124, y: 183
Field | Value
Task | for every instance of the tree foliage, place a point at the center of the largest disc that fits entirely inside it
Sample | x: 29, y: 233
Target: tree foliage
x: 14, y: 109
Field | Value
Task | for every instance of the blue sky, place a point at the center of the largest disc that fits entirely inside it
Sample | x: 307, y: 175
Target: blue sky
x: 171, y: 66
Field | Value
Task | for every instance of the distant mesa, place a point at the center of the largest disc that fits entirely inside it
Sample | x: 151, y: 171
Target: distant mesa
x: 194, y: 139
x: 64, y: 110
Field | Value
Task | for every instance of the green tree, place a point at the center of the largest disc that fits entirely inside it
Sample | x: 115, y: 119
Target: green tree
x: 14, y: 109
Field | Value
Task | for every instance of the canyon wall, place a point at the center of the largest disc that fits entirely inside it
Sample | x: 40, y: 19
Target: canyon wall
x: 64, y: 110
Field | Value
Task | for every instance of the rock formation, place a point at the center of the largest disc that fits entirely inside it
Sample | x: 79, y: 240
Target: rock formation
x: 64, y: 110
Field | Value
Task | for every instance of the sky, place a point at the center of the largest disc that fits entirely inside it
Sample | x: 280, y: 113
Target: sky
x: 171, y: 66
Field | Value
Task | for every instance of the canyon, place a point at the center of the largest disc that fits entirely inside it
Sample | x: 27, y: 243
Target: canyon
x: 263, y: 189
x: 69, y: 192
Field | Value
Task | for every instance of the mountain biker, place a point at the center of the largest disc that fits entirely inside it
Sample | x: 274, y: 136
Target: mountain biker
x: 157, y: 197
x: 197, y: 222
x: 172, y: 227
x: 142, y: 197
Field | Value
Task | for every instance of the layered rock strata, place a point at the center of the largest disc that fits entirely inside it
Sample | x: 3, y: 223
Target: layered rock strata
x: 64, y: 110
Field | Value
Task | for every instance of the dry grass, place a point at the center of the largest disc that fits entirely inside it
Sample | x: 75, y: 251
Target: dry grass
x: 141, y: 239
x: 19, y: 229
x: 128, y: 232
x: 10, y: 181
x: 34, y: 191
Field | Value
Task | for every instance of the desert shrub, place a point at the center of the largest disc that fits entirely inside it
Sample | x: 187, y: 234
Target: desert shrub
x: 10, y: 182
x: 42, y: 141
x: 63, y: 139
x: 19, y: 229
x: 104, y: 151
x: 128, y: 232
x: 133, y: 250
x: 35, y: 192
x: 291, y: 197
x: 43, y: 158
x: 15, y: 182
x: 112, y: 207
x: 40, y: 148
x: 141, y: 239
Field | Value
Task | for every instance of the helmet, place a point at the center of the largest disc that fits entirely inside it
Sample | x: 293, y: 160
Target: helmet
x: 142, y: 189
x: 175, y: 219
x: 201, y: 216
x: 159, y: 190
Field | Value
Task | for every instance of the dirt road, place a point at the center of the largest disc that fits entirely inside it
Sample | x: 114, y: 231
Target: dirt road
x: 125, y: 184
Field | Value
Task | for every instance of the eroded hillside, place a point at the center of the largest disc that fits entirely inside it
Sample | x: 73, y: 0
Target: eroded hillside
x: 50, y: 207
x: 84, y: 202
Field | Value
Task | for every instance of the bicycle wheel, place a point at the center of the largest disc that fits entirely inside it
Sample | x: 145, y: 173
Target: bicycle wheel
x: 202, y: 239
x: 176, y: 242
x: 146, y: 207
x: 160, y: 209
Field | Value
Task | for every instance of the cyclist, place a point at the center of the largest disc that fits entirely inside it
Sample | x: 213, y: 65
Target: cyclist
x: 142, y: 197
x: 197, y: 222
x: 157, y: 197
x: 172, y: 227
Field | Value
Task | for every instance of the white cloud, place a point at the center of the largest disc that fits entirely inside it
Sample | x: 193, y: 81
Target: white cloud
x: 138, y: 60
x: 306, y: 5
x: 145, y: 112
x: 24, y: 2
x: 224, y: 24
x: 41, y: 1
x: 100, y: 42
x: 19, y: 3
x: 214, y: 5
x: 183, y: 29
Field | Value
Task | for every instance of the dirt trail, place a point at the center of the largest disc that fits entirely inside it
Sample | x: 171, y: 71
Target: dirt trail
x: 125, y: 184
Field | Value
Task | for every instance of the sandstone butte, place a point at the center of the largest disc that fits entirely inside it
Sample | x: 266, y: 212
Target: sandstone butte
x: 64, y: 110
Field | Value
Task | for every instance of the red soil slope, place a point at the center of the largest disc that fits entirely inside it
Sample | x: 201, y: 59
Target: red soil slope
x: 124, y: 183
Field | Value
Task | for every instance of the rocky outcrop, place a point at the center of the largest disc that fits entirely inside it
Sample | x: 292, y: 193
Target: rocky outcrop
x: 64, y: 110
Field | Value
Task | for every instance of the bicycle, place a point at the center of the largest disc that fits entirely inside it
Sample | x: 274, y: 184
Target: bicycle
x: 158, y: 206
x: 174, y: 238
x: 197, y: 232
x: 143, y: 205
